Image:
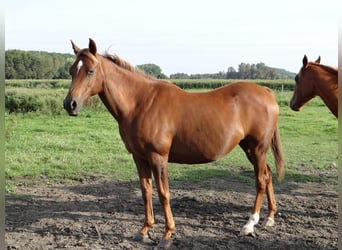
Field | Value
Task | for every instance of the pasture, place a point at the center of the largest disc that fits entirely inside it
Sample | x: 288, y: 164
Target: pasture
x: 76, y: 185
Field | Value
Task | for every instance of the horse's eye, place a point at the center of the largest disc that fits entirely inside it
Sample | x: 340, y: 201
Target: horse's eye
x: 296, y: 78
x: 90, y: 71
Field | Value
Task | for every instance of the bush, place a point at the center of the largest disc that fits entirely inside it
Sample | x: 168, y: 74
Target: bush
x: 24, y: 100
x: 40, y: 84
x: 20, y: 103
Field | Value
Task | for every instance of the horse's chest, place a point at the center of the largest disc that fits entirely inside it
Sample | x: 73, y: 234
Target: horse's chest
x: 142, y: 140
x: 129, y: 140
x: 135, y: 141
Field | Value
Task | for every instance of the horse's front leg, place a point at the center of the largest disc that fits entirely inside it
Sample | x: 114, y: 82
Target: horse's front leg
x: 145, y: 176
x: 160, y: 172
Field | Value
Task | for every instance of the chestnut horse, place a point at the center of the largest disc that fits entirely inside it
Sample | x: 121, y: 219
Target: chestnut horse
x: 315, y: 79
x: 161, y: 123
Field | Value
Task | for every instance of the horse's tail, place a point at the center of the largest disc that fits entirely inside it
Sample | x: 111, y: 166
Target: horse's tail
x: 278, y: 155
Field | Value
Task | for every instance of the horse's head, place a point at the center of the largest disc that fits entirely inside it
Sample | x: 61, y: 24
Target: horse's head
x: 304, y: 90
x: 87, y: 78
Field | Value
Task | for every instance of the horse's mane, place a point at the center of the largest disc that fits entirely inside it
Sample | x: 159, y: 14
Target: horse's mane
x: 125, y: 65
x: 330, y: 69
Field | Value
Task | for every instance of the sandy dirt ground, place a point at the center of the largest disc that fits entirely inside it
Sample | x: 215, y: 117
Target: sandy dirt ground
x: 103, y: 214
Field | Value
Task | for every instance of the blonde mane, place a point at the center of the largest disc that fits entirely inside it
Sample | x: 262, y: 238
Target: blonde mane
x: 125, y: 65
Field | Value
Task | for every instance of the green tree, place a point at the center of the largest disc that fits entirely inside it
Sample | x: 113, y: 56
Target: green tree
x: 179, y: 76
x: 152, y: 69
x: 244, y: 71
x: 36, y: 64
x: 63, y: 70
x: 231, y: 73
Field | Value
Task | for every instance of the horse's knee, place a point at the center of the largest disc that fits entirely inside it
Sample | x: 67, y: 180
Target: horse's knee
x: 163, y: 199
x: 261, y: 184
x: 268, y: 174
x: 263, y: 180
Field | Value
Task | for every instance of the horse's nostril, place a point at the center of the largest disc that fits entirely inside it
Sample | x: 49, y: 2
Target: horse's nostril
x: 73, y: 105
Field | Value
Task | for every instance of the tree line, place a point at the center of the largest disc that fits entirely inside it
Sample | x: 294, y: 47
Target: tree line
x: 21, y: 64
x: 245, y: 71
x: 37, y: 65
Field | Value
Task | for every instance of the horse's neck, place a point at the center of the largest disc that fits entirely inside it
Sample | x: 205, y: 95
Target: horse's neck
x: 121, y: 92
x: 327, y: 89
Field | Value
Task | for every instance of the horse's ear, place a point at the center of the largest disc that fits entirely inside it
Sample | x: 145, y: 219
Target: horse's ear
x: 74, y: 47
x: 305, y: 61
x: 92, y: 46
x: 318, y: 60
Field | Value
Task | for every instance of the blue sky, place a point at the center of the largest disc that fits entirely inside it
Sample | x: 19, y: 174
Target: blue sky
x: 181, y: 35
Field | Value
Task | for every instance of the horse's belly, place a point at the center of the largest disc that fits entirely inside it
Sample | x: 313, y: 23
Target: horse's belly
x: 189, y: 158
x: 203, y: 153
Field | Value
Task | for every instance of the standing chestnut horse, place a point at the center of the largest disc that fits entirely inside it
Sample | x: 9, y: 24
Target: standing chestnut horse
x: 161, y: 123
x: 315, y: 79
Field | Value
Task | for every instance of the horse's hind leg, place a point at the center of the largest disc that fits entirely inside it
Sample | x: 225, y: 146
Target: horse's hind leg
x: 272, y: 207
x: 263, y: 182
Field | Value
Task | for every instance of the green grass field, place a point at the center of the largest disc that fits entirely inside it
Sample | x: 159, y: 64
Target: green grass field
x: 55, y: 148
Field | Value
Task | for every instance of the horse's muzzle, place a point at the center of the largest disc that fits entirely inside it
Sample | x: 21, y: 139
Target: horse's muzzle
x: 294, y: 106
x: 72, y: 106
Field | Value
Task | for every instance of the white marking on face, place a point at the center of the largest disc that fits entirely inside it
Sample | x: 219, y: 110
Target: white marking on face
x: 79, y: 66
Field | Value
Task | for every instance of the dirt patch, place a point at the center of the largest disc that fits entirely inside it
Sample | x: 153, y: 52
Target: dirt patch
x: 106, y: 214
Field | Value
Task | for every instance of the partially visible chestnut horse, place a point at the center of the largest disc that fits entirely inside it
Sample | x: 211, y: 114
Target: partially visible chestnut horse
x: 161, y: 123
x: 315, y: 79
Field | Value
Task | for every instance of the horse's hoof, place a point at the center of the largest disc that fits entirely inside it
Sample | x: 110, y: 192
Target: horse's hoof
x: 140, y: 237
x: 165, y: 244
x: 247, y: 231
x: 252, y: 234
x: 269, y: 222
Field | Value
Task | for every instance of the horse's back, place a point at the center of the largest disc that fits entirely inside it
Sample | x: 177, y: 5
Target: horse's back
x: 249, y: 98
x: 213, y: 123
x: 256, y: 107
